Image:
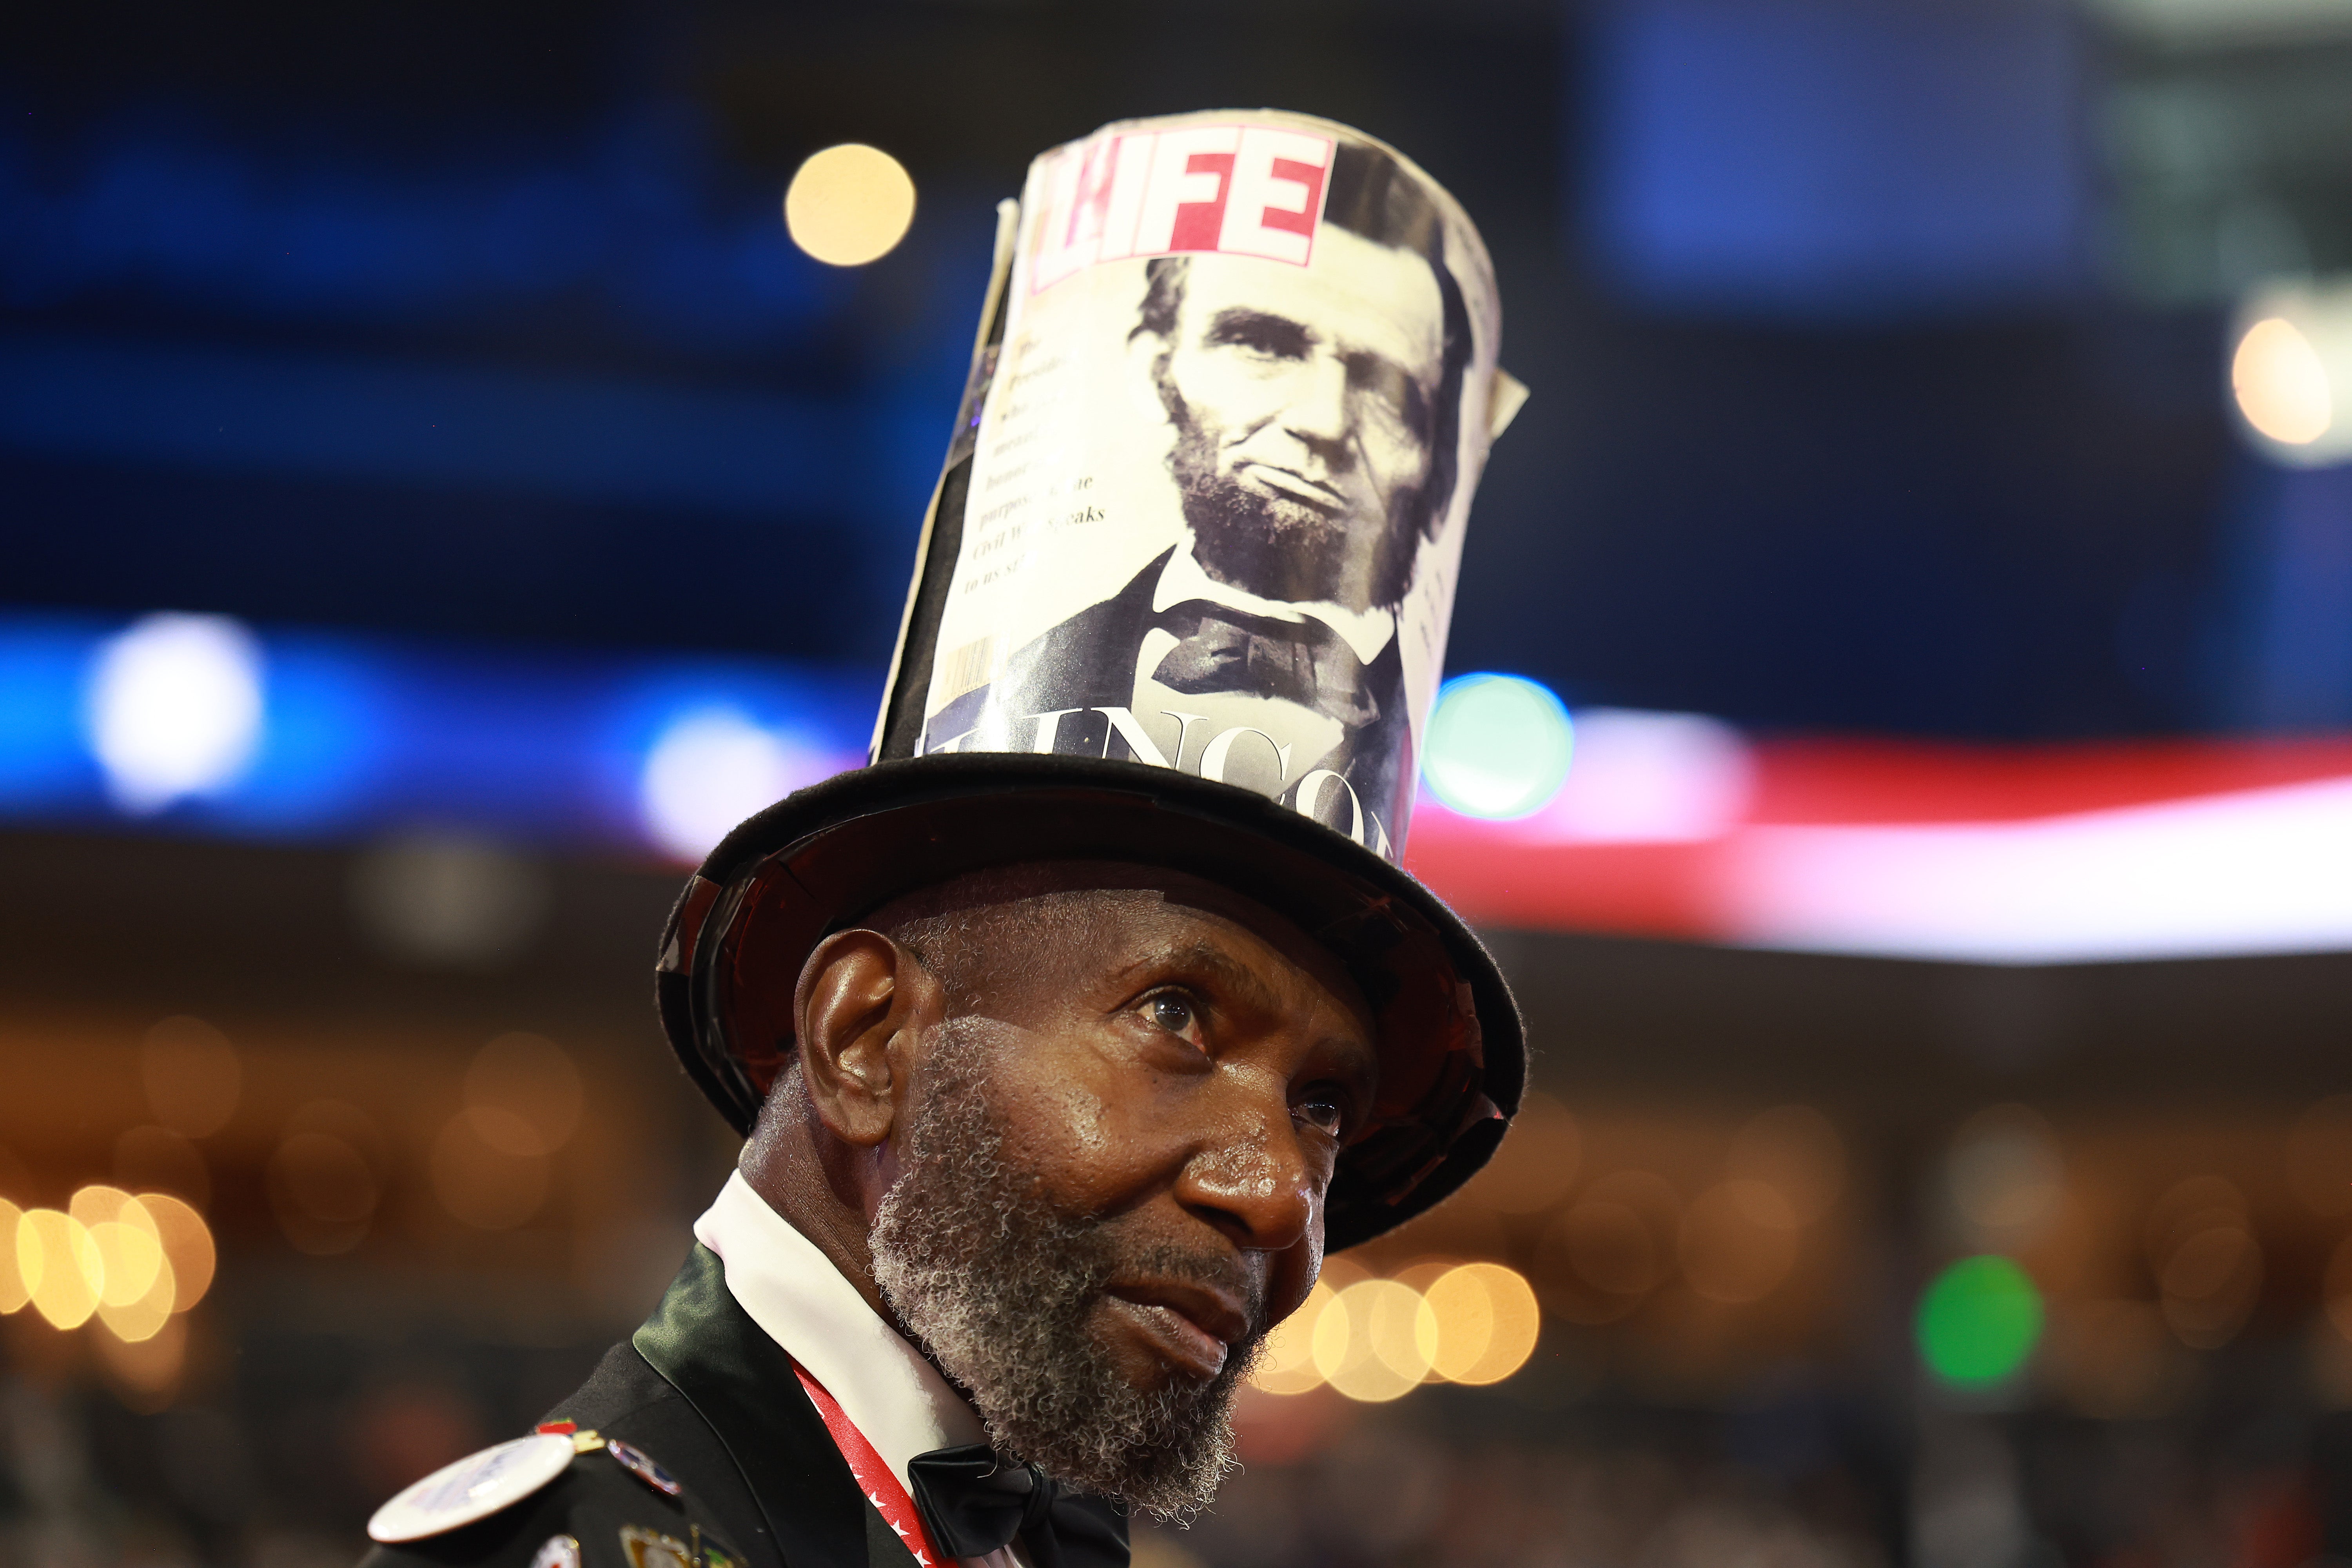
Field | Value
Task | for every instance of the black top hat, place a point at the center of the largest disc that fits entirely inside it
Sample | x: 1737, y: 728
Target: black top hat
x: 1181, y: 601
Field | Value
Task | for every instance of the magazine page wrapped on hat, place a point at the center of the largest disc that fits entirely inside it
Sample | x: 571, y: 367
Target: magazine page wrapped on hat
x: 1180, y: 603
x: 1204, y: 511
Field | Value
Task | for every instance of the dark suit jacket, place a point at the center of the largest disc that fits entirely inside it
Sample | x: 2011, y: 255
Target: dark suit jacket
x: 1088, y: 661
x: 708, y: 1396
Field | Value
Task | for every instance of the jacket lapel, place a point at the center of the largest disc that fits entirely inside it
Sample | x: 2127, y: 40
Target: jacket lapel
x: 742, y: 1383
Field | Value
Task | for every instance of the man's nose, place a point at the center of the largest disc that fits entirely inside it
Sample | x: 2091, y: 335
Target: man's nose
x: 1318, y: 411
x: 1252, y: 1177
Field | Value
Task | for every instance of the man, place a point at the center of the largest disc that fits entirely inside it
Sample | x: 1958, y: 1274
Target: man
x: 1314, y: 415
x: 1068, y: 1128
x: 1058, y: 1074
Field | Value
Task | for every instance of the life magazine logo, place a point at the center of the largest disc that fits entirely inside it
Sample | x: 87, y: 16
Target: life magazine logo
x: 1233, y: 190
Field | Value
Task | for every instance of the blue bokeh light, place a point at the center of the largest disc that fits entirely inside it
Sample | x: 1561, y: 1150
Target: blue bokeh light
x: 363, y: 735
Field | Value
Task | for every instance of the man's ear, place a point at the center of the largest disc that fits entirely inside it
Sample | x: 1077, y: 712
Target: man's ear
x: 861, y: 1002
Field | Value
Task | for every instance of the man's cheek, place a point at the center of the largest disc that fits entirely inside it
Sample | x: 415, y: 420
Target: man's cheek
x: 1064, y: 1122
x: 1395, y: 459
x: 1086, y: 1150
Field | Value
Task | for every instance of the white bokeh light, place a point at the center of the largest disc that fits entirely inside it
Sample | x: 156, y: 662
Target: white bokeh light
x: 174, y: 709
x: 850, y: 205
x: 1498, y: 746
x: 708, y: 770
x: 2291, y: 370
x: 2282, y: 383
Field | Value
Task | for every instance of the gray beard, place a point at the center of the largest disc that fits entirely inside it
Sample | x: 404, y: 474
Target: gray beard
x: 998, y: 1287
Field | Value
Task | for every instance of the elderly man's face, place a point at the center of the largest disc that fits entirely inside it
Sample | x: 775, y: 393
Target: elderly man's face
x: 1115, y: 1166
x: 1304, y: 401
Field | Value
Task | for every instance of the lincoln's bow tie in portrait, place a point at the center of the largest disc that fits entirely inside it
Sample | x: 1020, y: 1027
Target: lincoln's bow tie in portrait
x: 1220, y: 648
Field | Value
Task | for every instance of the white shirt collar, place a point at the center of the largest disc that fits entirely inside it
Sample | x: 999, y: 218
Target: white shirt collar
x: 890, y: 1393
x: 1365, y: 631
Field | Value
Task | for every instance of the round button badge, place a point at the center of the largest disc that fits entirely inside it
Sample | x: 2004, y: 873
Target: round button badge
x: 473, y: 1489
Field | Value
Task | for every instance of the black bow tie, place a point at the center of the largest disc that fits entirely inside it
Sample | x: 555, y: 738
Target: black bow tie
x: 973, y: 1503
x: 1219, y: 648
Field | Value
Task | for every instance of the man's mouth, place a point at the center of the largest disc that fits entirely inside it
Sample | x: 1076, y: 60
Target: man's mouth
x: 1295, y: 486
x: 1193, y: 1326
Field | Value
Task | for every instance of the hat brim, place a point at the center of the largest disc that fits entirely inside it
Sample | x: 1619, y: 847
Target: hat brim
x: 1452, y: 1046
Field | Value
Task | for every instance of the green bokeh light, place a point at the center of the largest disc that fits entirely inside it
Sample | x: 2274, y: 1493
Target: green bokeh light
x: 1978, y: 1320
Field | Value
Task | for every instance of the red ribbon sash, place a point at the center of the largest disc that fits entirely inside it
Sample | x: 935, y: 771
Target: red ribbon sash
x: 875, y: 1479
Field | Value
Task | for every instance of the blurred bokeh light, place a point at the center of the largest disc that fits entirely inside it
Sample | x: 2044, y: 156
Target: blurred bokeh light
x: 712, y: 768
x: 1978, y: 1320
x: 1373, y: 1340
x: 2281, y: 383
x: 1498, y: 745
x: 133, y: 1260
x: 849, y: 204
x: 2291, y: 370
x: 175, y: 708
x: 1480, y: 1323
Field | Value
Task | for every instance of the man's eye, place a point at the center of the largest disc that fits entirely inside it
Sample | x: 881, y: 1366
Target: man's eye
x: 1395, y: 394
x: 1323, y: 1110
x: 1267, y: 337
x: 1173, y: 1014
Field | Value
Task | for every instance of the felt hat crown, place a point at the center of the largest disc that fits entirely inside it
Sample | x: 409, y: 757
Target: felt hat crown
x: 1182, y: 600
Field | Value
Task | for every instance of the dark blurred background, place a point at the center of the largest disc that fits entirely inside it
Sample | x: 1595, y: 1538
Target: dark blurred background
x: 453, y: 365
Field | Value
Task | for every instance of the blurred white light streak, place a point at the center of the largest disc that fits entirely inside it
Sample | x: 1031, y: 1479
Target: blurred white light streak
x: 174, y: 709
x: 1648, y: 778
x: 2265, y: 870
